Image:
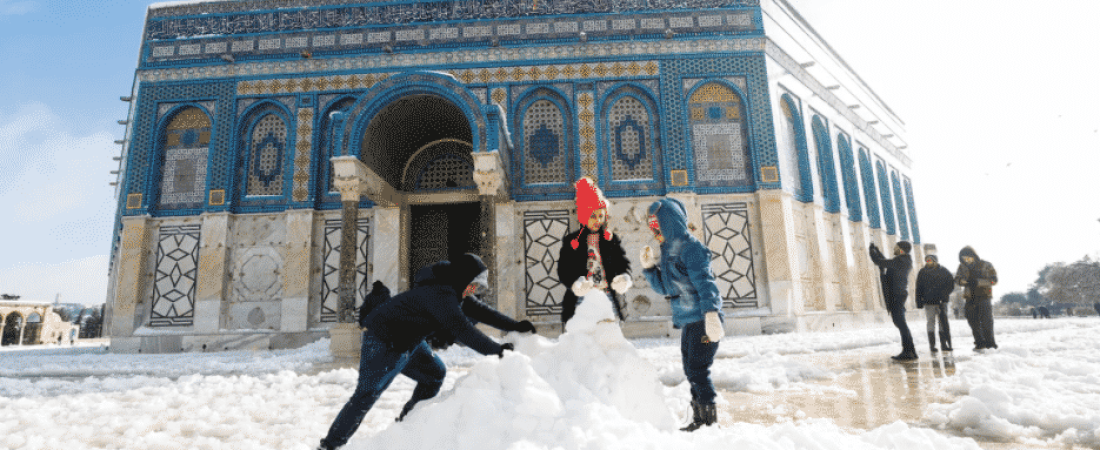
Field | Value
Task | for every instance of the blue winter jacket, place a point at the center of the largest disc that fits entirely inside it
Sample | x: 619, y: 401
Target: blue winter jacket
x: 683, y: 274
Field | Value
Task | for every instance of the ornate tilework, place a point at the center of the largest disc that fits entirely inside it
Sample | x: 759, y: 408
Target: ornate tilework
x: 310, y: 84
x: 330, y: 275
x: 183, y: 174
x: 726, y: 234
x: 719, y: 137
x: 441, y: 165
x: 546, y: 146
x: 884, y: 194
x: 303, y: 152
x: 266, y: 154
x: 327, y: 149
x: 870, y: 196
x: 791, y: 142
x: 541, y: 243
x: 587, y: 142
x: 177, y: 267
x: 851, y: 183
x: 825, y: 165
x: 912, y: 211
x: 631, y: 140
x: 899, y: 205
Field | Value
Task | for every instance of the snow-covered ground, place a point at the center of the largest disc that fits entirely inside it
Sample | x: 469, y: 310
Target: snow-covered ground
x: 589, y: 389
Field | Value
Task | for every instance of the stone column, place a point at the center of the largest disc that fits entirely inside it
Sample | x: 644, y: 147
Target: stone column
x: 780, y: 259
x: 134, y: 250
x: 509, y: 261
x: 385, y: 255
x: 822, y: 262
x: 211, y: 289
x: 296, y: 271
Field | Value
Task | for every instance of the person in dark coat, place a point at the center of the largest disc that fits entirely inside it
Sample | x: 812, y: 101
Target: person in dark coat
x: 592, y: 257
x: 977, y: 277
x: 394, y: 342
x: 378, y: 294
x: 934, y: 286
x: 895, y: 285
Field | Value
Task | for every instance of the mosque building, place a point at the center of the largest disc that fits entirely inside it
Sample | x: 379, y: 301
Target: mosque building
x: 268, y: 139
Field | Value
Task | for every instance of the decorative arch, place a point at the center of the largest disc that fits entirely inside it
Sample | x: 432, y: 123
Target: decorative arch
x: 884, y: 193
x: 265, y: 155
x: 442, y: 165
x: 631, y: 140
x: 13, y: 329
x: 912, y: 211
x: 825, y: 166
x: 851, y: 183
x: 717, y: 118
x: 795, y: 158
x: 183, y: 151
x: 899, y: 206
x: 326, y: 139
x: 870, y: 196
x: 546, y: 158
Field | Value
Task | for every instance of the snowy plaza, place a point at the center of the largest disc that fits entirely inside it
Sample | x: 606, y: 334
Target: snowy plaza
x: 588, y: 389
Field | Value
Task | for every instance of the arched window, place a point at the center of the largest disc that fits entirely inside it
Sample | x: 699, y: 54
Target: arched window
x: 794, y: 164
x: 719, y: 136
x: 266, y: 152
x: 186, y: 145
x: 912, y: 211
x: 884, y: 194
x: 851, y: 184
x: 546, y: 138
x: 630, y: 139
x: 825, y: 166
x: 869, y: 194
x: 327, y: 139
x: 899, y: 205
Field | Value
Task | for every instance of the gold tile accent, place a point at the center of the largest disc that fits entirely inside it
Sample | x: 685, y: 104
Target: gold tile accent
x: 769, y: 174
x: 652, y: 68
x: 501, y: 74
x: 467, y: 76
x: 617, y: 69
x: 301, y: 194
x: 697, y: 114
x: 499, y: 96
x: 304, y: 145
x: 369, y: 80
x: 585, y: 100
x: 291, y: 85
x: 306, y: 85
x: 569, y: 71
x: 587, y: 132
x: 323, y: 83
x: 713, y: 93
x: 679, y: 177
x: 301, y: 177
x: 172, y: 140
x: 534, y: 72
x: 217, y: 197
x: 133, y: 201
x: 551, y: 72
x: 518, y: 74
x: 634, y: 68
x: 484, y: 76
x: 588, y: 148
x: 733, y: 112
x: 587, y: 116
x: 589, y: 165
x: 586, y: 71
x: 189, y: 118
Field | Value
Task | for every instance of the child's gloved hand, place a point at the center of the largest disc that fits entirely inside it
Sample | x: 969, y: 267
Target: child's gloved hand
x: 713, y: 325
x: 582, y: 286
x: 622, y: 283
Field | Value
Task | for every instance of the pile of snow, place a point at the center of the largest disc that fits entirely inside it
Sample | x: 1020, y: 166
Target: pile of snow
x: 1042, y: 388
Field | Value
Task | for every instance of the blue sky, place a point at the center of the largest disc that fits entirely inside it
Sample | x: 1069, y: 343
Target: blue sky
x: 1000, y: 99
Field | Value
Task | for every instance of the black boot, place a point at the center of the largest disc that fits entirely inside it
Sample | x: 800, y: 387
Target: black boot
x: 696, y: 417
x: 945, y: 342
x: 405, y: 411
x: 932, y: 341
x: 710, y: 414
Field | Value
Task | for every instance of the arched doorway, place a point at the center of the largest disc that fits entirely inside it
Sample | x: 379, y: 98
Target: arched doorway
x: 13, y: 327
x: 33, y: 329
x: 421, y: 144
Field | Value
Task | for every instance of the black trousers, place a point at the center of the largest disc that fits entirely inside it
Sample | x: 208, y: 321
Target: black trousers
x: 979, y: 314
x: 898, y: 315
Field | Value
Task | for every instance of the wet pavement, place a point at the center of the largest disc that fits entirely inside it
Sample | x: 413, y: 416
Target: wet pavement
x: 869, y: 391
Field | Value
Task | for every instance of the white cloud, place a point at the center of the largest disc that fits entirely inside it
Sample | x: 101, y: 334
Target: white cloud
x: 77, y: 281
x: 15, y: 7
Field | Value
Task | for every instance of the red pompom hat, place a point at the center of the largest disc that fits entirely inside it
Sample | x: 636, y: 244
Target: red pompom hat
x: 589, y: 199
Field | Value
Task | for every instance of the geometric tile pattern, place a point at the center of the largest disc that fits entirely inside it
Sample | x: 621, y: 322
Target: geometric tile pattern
x: 552, y: 72
x: 310, y: 84
x: 718, y: 135
x: 585, y: 103
x: 265, y: 156
x: 851, y: 184
x: 544, y: 140
x: 825, y: 165
x: 899, y: 204
x: 912, y: 211
x: 793, y: 149
x: 870, y: 196
x: 726, y: 234
x: 630, y: 138
x: 884, y: 193
x: 542, y: 232
x: 175, y: 280
x: 330, y: 273
x: 304, y: 149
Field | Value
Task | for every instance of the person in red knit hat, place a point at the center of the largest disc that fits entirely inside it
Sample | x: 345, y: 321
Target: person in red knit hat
x: 592, y: 257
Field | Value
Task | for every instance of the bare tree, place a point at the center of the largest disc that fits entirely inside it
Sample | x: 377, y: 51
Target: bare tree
x: 1077, y: 282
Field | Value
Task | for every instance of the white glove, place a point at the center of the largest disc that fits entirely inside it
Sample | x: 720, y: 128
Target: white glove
x: 713, y: 326
x: 622, y: 283
x: 647, y: 257
x: 582, y: 286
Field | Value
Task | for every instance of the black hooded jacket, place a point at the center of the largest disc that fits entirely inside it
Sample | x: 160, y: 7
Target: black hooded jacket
x: 934, y: 285
x: 434, y: 306
x: 378, y: 295
x: 896, y: 277
x: 573, y: 264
